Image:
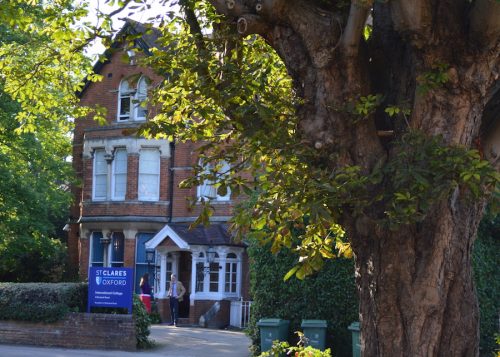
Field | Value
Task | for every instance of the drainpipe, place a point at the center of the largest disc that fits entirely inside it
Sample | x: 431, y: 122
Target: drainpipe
x: 171, y: 181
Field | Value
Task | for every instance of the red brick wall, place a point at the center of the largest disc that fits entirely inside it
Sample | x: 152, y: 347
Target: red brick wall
x: 94, y: 331
x: 84, y: 258
x: 129, y: 253
x: 132, y: 176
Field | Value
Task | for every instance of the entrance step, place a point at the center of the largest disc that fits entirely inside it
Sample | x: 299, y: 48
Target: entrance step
x: 183, y: 321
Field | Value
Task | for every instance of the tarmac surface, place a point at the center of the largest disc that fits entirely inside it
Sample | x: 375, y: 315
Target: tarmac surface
x: 169, y: 342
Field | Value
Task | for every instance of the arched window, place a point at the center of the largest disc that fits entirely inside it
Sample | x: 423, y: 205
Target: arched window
x: 142, y: 94
x: 125, y: 98
x: 132, y: 96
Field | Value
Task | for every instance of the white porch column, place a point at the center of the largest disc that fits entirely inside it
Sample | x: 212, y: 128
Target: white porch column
x: 175, y: 263
x: 194, y: 260
x: 239, y: 275
x: 163, y: 275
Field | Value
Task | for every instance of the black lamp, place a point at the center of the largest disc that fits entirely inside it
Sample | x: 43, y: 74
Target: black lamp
x: 211, y: 253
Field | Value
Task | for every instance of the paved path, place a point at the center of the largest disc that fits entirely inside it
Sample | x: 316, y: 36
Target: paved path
x: 170, y: 342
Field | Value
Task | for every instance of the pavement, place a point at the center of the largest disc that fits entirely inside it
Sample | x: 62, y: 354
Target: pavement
x: 170, y: 341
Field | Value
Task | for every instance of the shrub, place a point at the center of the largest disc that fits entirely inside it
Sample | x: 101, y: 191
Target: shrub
x: 142, y: 324
x: 41, y: 301
x: 329, y: 295
x: 284, y: 349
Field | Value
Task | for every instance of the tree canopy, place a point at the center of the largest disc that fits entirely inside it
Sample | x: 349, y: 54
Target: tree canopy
x: 34, y: 185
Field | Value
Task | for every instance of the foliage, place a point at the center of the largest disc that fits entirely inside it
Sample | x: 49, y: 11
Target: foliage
x: 424, y: 170
x: 486, y: 261
x: 434, y: 78
x: 34, y: 193
x: 44, y: 72
x: 142, y: 324
x: 329, y: 295
x: 25, y: 258
x: 40, y: 301
x: 283, y: 348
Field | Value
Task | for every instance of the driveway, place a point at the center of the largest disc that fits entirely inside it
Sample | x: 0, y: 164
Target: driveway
x: 170, y: 342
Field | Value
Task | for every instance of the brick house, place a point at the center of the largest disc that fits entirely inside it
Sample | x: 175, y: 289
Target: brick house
x: 129, y: 202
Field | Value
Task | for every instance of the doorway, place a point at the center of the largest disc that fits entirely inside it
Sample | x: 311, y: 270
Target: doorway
x: 184, y: 275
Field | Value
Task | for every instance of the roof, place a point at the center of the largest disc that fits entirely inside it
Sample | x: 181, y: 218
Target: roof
x: 146, y: 41
x: 183, y: 237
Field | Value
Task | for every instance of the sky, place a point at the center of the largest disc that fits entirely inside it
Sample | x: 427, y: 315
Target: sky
x: 140, y: 14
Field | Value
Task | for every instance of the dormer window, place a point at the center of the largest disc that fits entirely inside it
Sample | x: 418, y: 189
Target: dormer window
x: 132, y: 96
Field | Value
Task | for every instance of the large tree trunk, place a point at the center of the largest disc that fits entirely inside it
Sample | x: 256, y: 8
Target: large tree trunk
x: 415, y: 283
x: 416, y: 291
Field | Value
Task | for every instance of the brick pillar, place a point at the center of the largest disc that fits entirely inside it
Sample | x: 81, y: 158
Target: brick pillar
x: 164, y: 178
x: 84, y: 246
x: 129, y: 258
x: 132, y: 176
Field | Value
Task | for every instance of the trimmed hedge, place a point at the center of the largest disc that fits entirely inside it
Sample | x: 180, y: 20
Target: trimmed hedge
x: 329, y: 295
x: 486, y: 263
x: 49, y: 302
x: 41, y: 302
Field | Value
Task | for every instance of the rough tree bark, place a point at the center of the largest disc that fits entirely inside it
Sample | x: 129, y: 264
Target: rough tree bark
x: 415, y: 284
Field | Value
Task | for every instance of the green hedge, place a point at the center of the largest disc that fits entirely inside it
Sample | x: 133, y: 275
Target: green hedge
x: 49, y: 302
x: 41, y: 301
x: 329, y: 295
x: 486, y: 263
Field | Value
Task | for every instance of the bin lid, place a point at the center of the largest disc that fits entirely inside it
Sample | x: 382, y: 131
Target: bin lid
x: 272, y: 322
x: 354, y: 326
x: 313, y: 323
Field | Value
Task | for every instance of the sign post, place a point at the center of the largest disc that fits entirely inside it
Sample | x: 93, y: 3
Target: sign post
x: 111, y: 287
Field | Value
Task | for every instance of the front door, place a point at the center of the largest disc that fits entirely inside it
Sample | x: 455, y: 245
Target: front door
x: 184, y: 275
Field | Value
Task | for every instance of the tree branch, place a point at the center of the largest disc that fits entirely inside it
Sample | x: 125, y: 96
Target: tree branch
x: 485, y: 21
x: 230, y: 7
x: 250, y: 24
x: 358, y: 14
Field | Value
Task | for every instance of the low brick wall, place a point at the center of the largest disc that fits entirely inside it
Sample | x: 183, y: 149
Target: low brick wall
x: 77, y: 330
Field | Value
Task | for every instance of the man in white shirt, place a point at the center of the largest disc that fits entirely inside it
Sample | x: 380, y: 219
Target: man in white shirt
x: 176, y: 293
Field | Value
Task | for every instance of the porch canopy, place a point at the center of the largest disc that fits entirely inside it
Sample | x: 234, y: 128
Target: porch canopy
x: 216, y: 260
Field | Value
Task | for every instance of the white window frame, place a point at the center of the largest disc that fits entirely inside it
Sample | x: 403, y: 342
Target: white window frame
x: 140, y: 97
x: 142, y: 175
x: 208, y: 189
x: 104, y: 175
x: 114, y: 175
x: 122, y: 94
x: 222, y: 260
x: 233, y: 272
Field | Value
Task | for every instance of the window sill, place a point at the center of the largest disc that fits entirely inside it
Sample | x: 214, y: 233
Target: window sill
x: 215, y: 202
